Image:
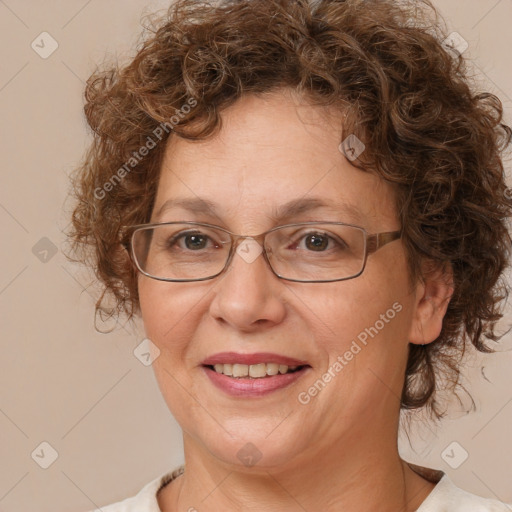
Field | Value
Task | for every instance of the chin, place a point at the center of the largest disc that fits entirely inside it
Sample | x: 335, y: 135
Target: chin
x: 253, y: 448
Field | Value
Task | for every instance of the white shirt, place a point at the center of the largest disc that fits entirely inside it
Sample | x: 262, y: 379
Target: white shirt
x: 445, y: 497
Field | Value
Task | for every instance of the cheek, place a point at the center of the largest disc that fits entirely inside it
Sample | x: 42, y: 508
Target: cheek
x: 166, y: 313
x: 153, y: 307
x: 350, y: 309
x: 169, y: 323
x: 369, y: 315
x: 381, y: 309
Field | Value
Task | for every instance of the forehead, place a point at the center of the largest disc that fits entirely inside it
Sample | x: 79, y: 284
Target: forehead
x: 272, y: 154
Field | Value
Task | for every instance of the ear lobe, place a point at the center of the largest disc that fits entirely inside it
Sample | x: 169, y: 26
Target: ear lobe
x: 433, y: 295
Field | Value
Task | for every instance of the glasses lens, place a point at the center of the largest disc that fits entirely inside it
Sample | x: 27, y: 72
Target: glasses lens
x: 180, y: 251
x: 317, y: 252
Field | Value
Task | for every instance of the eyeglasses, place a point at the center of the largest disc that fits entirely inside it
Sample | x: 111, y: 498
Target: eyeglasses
x: 308, y: 252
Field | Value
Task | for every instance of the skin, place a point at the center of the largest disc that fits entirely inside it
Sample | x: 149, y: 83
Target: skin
x: 339, y: 450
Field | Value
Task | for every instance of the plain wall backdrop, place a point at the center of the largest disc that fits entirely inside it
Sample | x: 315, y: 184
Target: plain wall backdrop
x: 95, y: 407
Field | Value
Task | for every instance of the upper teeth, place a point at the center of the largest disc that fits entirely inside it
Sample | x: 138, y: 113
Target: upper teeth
x: 253, y: 370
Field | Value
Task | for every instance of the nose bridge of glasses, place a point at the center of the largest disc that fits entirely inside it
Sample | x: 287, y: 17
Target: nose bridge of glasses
x: 248, y: 247
x: 236, y: 240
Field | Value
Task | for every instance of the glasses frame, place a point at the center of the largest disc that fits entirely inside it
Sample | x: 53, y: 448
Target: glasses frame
x: 372, y: 243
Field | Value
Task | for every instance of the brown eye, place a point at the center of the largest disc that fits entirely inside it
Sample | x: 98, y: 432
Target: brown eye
x: 316, y: 242
x: 195, y: 241
x: 191, y: 241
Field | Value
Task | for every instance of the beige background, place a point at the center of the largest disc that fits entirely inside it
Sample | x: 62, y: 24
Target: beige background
x: 85, y: 393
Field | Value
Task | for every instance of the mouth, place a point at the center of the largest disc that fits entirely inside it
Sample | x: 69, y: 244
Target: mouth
x: 253, y: 375
x: 254, y: 371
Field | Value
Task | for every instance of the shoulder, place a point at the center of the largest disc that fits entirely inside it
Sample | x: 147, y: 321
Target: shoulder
x: 146, y: 499
x: 447, y: 497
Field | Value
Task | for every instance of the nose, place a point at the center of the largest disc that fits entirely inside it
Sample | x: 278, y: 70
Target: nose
x: 248, y: 295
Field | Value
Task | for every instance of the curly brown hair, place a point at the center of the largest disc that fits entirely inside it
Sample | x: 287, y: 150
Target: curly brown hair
x: 403, y: 92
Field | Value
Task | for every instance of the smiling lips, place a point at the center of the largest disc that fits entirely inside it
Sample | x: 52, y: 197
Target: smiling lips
x: 245, y: 375
x: 254, y: 371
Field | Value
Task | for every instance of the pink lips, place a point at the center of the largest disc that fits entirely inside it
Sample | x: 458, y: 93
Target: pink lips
x: 245, y: 387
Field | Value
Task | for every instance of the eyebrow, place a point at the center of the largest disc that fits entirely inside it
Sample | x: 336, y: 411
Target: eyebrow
x: 286, y: 211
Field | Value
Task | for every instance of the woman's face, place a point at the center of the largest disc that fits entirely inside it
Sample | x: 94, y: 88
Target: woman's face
x: 352, y: 335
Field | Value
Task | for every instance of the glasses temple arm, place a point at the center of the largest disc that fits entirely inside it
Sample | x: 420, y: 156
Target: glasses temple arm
x: 378, y: 240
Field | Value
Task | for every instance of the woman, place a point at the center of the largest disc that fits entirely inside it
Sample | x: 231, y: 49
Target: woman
x: 305, y: 203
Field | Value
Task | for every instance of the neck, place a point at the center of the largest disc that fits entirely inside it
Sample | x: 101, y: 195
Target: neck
x: 338, y: 477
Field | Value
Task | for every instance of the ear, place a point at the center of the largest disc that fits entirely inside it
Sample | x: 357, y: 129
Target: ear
x: 433, y: 293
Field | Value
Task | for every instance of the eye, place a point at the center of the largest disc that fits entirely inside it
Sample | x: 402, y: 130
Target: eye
x: 192, y: 240
x: 316, y: 242
x: 195, y: 241
x: 320, y: 242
